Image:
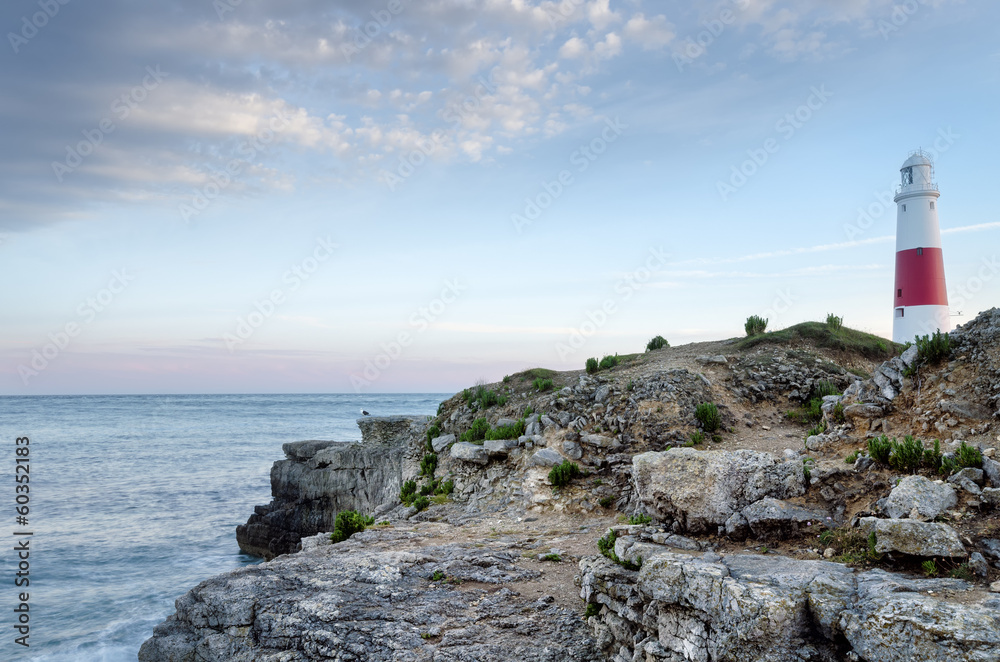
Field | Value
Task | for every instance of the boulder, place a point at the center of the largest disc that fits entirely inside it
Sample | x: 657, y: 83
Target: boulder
x: 991, y: 469
x: 468, y: 452
x: 912, y: 537
x: 991, y: 496
x: 441, y: 443
x: 572, y: 450
x: 601, y: 394
x: 600, y: 440
x: 771, y: 517
x: 498, y: 447
x: 702, y: 489
x: 546, y: 457
x: 930, y: 499
x: 718, y: 359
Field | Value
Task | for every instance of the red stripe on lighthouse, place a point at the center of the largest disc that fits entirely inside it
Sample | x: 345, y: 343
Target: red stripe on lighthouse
x: 920, y: 278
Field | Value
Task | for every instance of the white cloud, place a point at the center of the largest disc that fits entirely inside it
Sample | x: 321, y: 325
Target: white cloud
x: 651, y: 34
x: 574, y: 48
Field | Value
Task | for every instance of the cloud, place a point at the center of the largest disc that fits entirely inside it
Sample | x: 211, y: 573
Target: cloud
x: 652, y: 34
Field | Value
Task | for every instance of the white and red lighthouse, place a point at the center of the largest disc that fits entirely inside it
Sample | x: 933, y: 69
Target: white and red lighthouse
x: 920, y: 299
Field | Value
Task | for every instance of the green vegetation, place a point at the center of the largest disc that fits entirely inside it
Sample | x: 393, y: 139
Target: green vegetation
x: 608, y: 362
x: 845, y: 339
x: 348, y: 523
x: 852, y: 546
x: 562, y: 474
x: 592, y: 366
x: 606, y: 502
x: 963, y: 572
x: 606, y: 545
x: 709, y: 417
x: 477, y: 432
x: 483, y: 398
x: 697, y: 437
x: 717, y: 438
x: 819, y: 428
x: 542, y: 385
x: 838, y: 413
x: 437, y: 576
x: 968, y: 456
x: 908, y: 455
x: 852, y: 458
x: 807, y: 465
x: 593, y: 609
x: 538, y: 373
x: 445, y: 487
x: 879, y: 449
x: 929, y: 567
x: 755, y: 325
x: 640, y: 519
x: 933, y: 349
x: 554, y: 558
x: 432, y: 432
x: 428, y: 465
x: 658, y: 342
x: 408, y: 492
x: 834, y: 323
x: 528, y: 411
x: 507, y: 431
x: 421, y: 503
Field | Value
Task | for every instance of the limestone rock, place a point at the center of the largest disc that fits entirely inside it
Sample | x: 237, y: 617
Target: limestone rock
x: 572, y: 450
x: 498, y: 447
x: 702, y: 489
x: 546, y: 457
x: 440, y: 444
x: 771, y: 517
x: 372, y: 599
x: 929, y: 498
x: 600, y: 441
x: 991, y: 496
x: 913, y: 537
x: 468, y: 452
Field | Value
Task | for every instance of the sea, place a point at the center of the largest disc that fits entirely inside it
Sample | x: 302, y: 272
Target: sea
x: 134, y: 500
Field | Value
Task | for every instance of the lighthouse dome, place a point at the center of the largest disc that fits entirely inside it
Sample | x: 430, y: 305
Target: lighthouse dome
x: 917, y: 159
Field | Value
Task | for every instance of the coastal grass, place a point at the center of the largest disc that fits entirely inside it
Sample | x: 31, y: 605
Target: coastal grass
x: 843, y: 339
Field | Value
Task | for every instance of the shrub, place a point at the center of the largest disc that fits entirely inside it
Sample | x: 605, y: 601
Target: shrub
x: 428, y: 465
x: 968, y: 456
x: 606, y: 502
x: 428, y: 488
x: 482, y: 397
x: 755, y: 325
x: 929, y: 567
x: 838, y: 413
x: 528, y: 412
x: 819, y: 428
x: 421, y: 503
x: 606, y: 545
x: 608, y: 362
x: 708, y: 415
x: 437, y: 576
x: 948, y: 466
x: 879, y: 449
x: 932, y: 456
x: 446, y: 487
x: 562, y: 474
x: 717, y: 438
x: 852, y: 458
x: 697, y: 438
x: 962, y: 571
x: 507, y: 431
x: 408, y: 492
x: 640, y: 519
x: 851, y: 546
x: 592, y: 366
x: 932, y: 349
x: 834, y: 323
x: 593, y: 609
x: 478, y: 431
x: 432, y: 432
x: 906, y: 456
x: 824, y: 388
x: 542, y: 385
x: 554, y: 558
x: 348, y: 523
x: 658, y: 342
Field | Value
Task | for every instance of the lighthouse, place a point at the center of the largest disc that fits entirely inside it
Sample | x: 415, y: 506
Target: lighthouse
x: 920, y: 298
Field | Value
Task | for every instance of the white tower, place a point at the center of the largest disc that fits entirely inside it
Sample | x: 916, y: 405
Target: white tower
x: 920, y: 298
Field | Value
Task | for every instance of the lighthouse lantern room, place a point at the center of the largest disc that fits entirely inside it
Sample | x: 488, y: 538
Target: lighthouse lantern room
x: 920, y: 298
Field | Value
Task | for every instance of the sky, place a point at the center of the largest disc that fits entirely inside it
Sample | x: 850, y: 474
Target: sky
x: 251, y: 196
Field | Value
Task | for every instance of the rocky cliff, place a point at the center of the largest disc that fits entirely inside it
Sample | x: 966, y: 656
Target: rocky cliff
x: 755, y: 540
x: 318, y: 479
